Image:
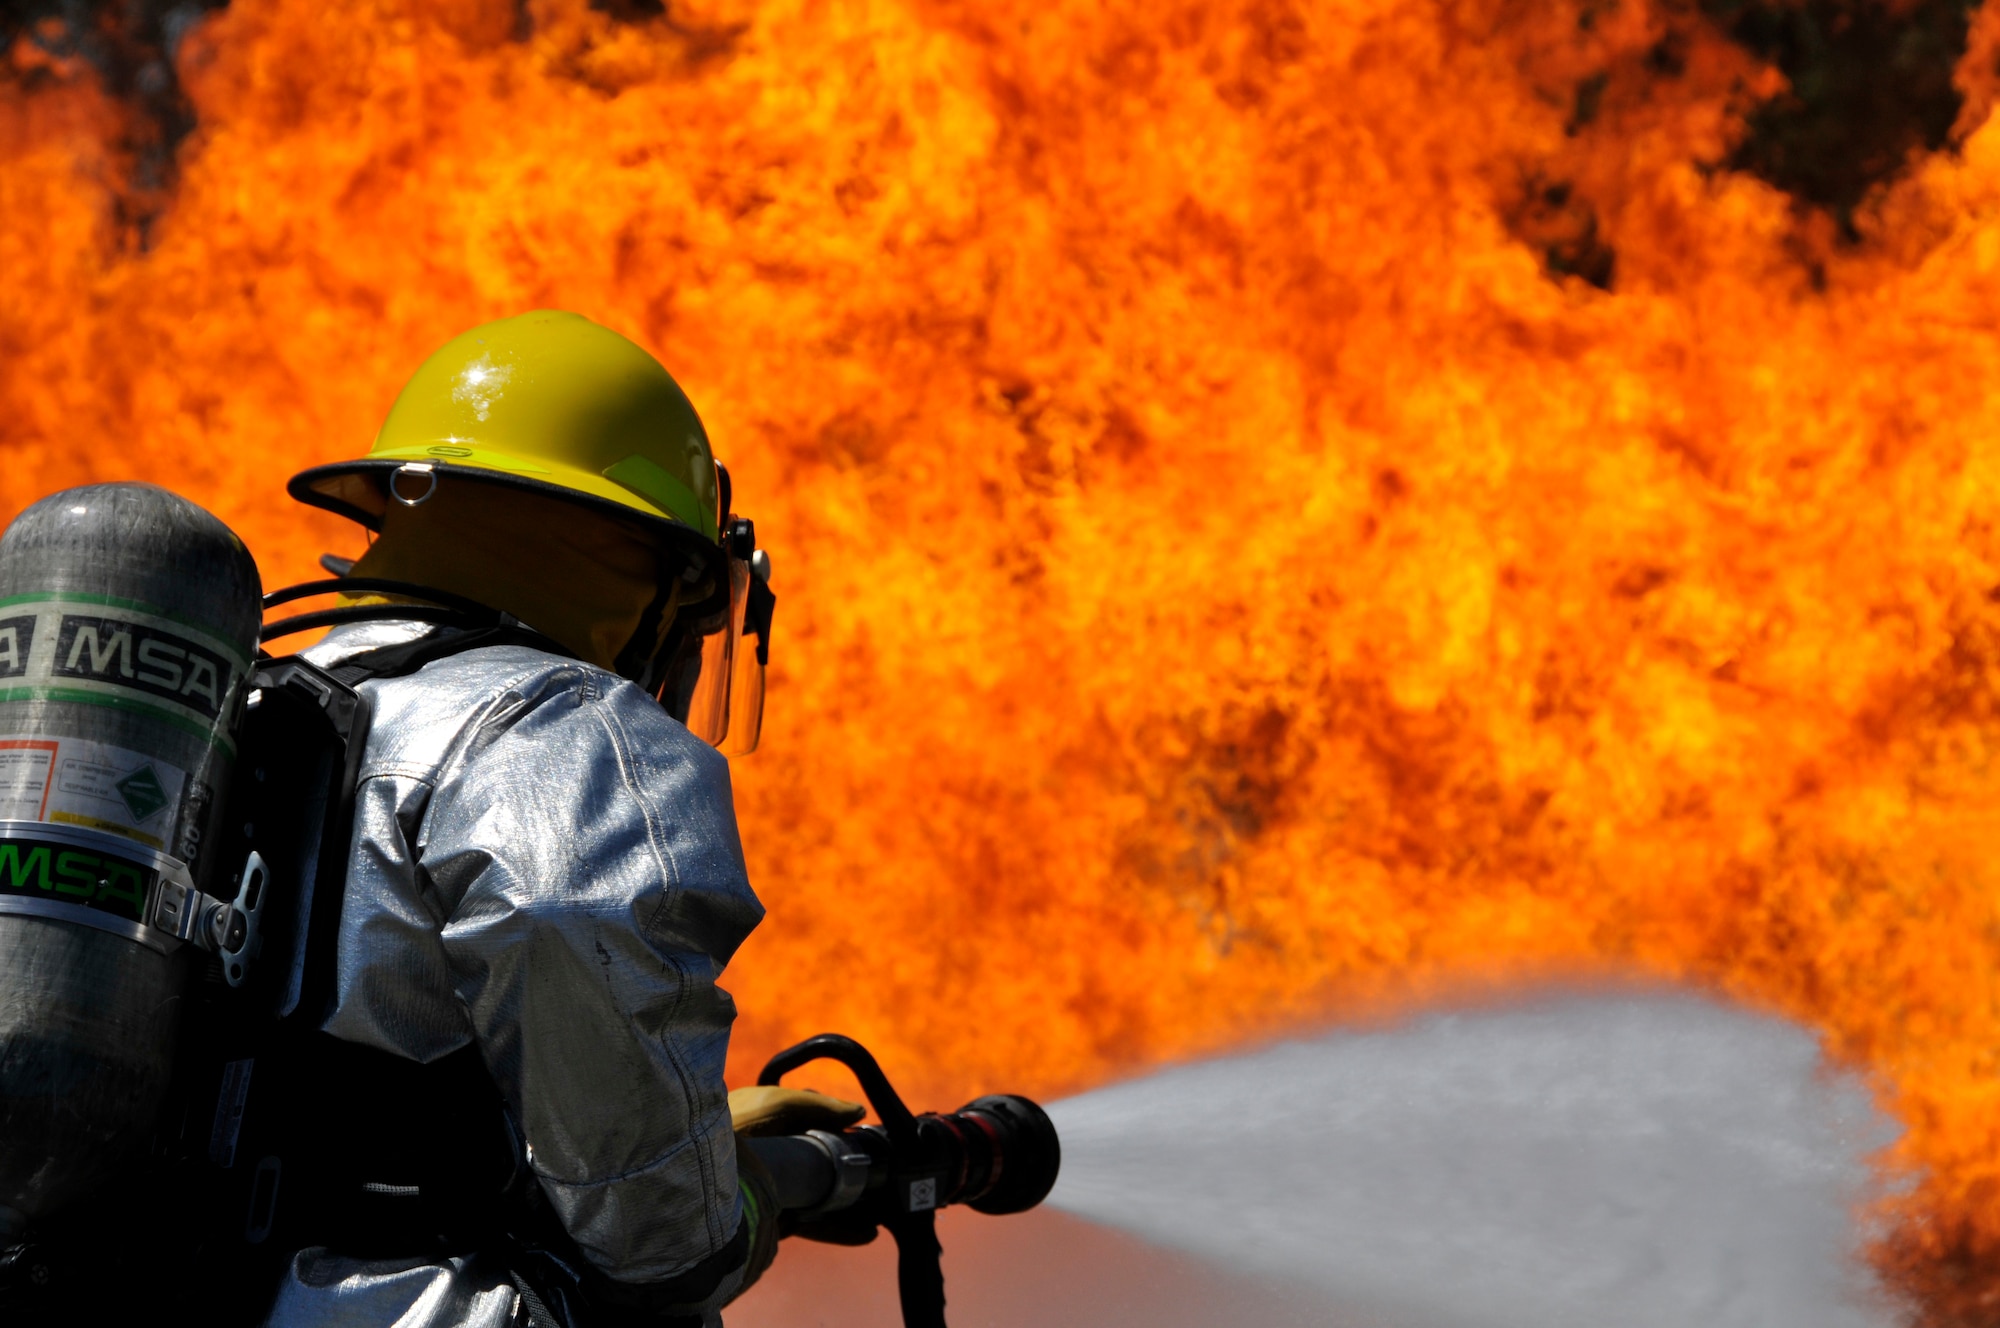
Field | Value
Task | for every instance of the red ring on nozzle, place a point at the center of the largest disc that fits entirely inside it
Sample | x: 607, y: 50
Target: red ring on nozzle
x: 999, y: 1156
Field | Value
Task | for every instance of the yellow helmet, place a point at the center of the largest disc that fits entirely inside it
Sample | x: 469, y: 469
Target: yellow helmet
x: 544, y: 401
x: 551, y: 402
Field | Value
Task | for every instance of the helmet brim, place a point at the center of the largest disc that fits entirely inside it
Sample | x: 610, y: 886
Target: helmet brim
x: 359, y: 491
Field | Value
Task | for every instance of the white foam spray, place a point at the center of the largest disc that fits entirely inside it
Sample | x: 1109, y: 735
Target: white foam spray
x: 1586, y: 1160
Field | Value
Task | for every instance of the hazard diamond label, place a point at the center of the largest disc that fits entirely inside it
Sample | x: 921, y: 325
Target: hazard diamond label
x: 142, y: 792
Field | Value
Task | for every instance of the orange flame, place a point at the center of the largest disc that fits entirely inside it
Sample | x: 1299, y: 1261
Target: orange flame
x: 1222, y: 572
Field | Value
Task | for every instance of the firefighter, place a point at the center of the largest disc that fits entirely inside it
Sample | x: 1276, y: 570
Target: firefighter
x: 545, y: 879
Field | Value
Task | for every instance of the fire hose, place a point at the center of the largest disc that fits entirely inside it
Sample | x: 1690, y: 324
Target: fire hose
x: 997, y: 1154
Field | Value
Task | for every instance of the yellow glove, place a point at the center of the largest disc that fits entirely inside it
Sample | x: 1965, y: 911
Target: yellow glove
x: 762, y: 1110
x: 773, y: 1110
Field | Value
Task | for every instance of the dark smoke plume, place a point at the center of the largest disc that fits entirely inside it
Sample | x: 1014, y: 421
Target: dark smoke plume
x: 1870, y: 86
x: 132, y: 45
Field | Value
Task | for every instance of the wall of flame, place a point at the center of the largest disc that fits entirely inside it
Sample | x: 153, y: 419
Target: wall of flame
x: 1223, y: 575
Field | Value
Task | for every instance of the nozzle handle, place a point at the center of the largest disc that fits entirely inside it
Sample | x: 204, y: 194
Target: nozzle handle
x: 919, y: 1269
x: 919, y: 1259
x: 896, y: 1117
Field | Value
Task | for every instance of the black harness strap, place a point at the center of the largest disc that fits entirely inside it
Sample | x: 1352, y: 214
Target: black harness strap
x: 466, y: 625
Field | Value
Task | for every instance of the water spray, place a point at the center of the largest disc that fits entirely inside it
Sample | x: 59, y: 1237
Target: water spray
x: 1563, y: 1158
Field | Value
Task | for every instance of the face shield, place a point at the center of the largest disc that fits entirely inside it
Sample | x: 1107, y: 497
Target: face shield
x: 712, y: 678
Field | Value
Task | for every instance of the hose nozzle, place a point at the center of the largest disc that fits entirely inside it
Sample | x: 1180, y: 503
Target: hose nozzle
x: 996, y: 1154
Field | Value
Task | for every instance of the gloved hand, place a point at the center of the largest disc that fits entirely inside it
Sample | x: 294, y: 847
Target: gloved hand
x: 760, y: 1199
x: 777, y: 1110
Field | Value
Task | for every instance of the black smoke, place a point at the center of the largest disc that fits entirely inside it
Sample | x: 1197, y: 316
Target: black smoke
x: 1870, y: 90
x: 131, y: 44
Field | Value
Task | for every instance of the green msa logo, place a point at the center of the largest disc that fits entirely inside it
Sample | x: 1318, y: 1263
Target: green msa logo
x: 142, y: 793
x: 60, y: 872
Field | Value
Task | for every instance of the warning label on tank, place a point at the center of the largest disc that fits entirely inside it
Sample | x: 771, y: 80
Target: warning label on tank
x: 74, y: 781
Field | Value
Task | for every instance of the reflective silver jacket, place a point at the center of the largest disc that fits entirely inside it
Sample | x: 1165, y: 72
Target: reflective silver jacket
x: 546, y: 865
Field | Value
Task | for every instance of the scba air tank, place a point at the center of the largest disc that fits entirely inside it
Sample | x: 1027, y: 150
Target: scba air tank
x: 128, y: 619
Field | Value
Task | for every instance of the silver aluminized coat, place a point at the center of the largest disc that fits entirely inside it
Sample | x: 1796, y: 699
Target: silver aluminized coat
x: 545, y: 864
